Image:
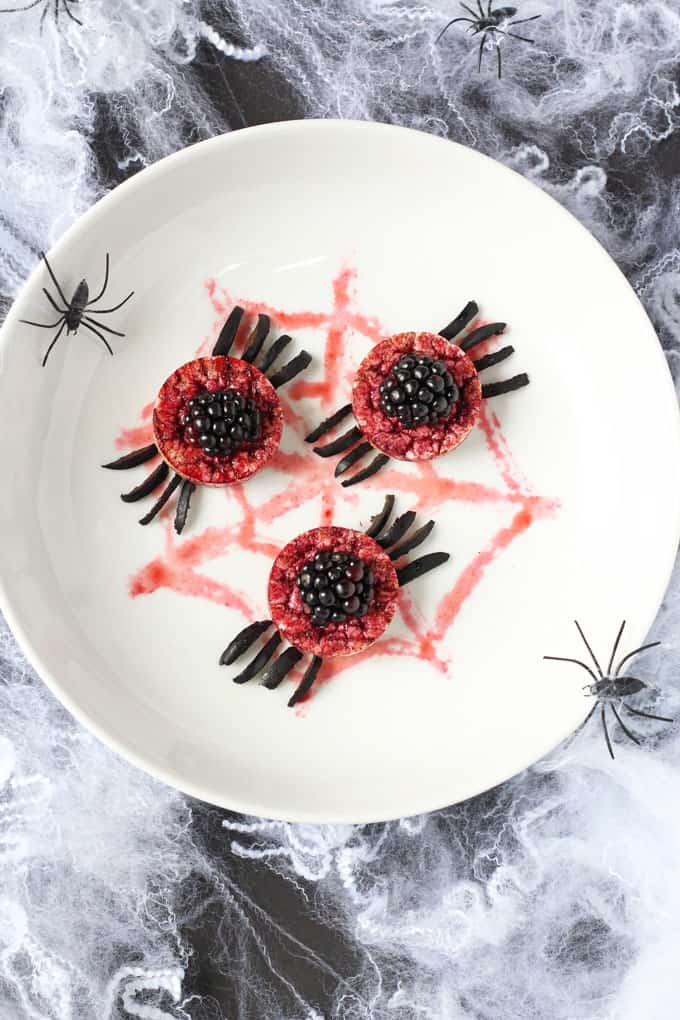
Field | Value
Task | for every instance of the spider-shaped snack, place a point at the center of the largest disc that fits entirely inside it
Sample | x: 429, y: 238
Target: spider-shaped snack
x: 217, y: 420
x: 332, y: 592
x: 415, y: 396
x: 611, y: 688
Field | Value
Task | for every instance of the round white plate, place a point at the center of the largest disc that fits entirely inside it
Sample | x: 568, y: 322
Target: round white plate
x: 566, y: 505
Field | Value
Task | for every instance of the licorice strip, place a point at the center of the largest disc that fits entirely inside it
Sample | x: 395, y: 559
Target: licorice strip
x: 228, y: 332
x: 352, y: 457
x: 260, y: 660
x: 461, y: 321
x: 274, y: 674
x: 495, y: 389
x: 133, y: 459
x: 307, y: 681
x: 420, y: 566
x: 380, y: 520
x: 493, y: 359
x: 183, y: 504
x: 256, y: 339
x: 480, y: 334
x: 328, y: 423
x: 276, y: 349
x: 162, y: 499
x: 242, y: 642
x: 340, y: 444
x: 412, y: 542
x: 372, y: 469
x: 146, y: 487
x: 296, y: 365
x: 398, y: 529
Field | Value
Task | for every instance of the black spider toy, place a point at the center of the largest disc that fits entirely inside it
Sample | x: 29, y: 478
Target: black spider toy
x: 489, y: 24
x: 75, y: 313
x: 610, y: 688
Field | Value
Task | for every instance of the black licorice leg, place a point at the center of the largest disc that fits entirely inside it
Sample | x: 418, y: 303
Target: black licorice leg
x: 162, y: 499
x: 133, y: 459
x: 412, y: 542
x: 636, y: 651
x: 576, y: 662
x: 461, y: 321
x: 647, y: 715
x: 401, y: 525
x: 307, y: 682
x: 495, y: 389
x: 260, y: 660
x: 228, y: 332
x: 421, y: 566
x: 183, y: 504
x: 380, y: 520
x: 275, y: 351
x: 372, y: 469
x: 480, y: 334
x: 157, y: 476
x: 352, y: 457
x: 292, y: 368
x: 493, y: 359
x: 328, y: 423
x: 256, y: 338
x: 281, y: 667
x: 340, y: 444
x: 242, y: 642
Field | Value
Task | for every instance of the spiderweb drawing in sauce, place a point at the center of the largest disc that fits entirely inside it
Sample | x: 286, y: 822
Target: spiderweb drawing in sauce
x: 306, y: 479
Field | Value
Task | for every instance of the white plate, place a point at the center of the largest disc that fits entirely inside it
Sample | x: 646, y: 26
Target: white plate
x: 413, y: 226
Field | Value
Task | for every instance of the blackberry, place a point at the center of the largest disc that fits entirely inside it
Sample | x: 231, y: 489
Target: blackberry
x: 220, y: 422
x: 334, y: 586
x: 418, y: 391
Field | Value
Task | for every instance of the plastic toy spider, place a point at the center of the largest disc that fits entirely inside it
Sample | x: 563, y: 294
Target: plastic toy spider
x: 416, y: 396
x: 332, y: 592
x: 78, y: 311
x: 488, y: 23
x: 610, y: 689
x: 216, y: 420
x: 57, y: 6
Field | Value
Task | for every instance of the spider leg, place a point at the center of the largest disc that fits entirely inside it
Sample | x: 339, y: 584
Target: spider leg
x: 87, y: 318
x: 328, y: 423
x: 100, y: 335
x: 307, y: 681
x: 477, y: 336
x: 577, y: 662
x: 498, y: 56
x: 42, y: 325
x: 49, y: 267
x: 481, y: 9
x: 260, y: 660
x: 448, y: 26
x: 274, y: 351
x: 228, y: 332
x: 71, y: 16
x: 47, y: 352
x: 280, y: 668
x: 145, y: 488
x: 183, y: 504
x: 18, y: 10
x: 488, y: 10
x: 292, y: 368
x: 256, y: 338
x: 415, y: 539
x: 106, y: 311
x: 470, y: 11
x: 495, y: 389
x: 647, y: 715
x: 463, y: 319
x: 346, y: 462
x: 590, y: 651
x: 401, y: 525
x: 62, y: 311
x: 106, y: 280
x: 162, y: 499
x: 615, y: 648
x: 514, y: 35
x: 636, y: 651
x: 133, y: 459
x: 378, y: 522
x: 606, y: 734
x: 242, y: 642
x: 42, y: 18
x: 523, y: 21
x: 625, y: 729
x: 493, y: 359
x: 481, y: 52
x: 371, y: 469
x: 340, y: 444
